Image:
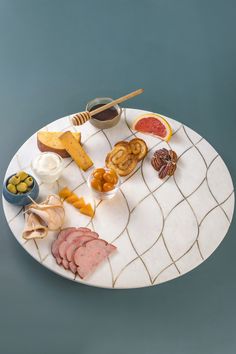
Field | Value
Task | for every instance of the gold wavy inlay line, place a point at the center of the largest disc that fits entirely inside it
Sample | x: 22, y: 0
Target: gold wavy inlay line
x: 177, y: 203
x: 90, y: 136
x: 211, y: 190
x: 132, y: 132
x: 111, y: 270
x: 162, y: 271
x: 128, y: 219
x: 110, y: 145
x: 144, y: 264
x: 78, y: 186
x: 151, y: 193
x: 195, y: 242
x: 37, y: 248
x: 207, y: 169
x: 18, y: 213
x: 138, y: 256
x: 215, y: 207
x: 199, y: 250
x: 45, y: 257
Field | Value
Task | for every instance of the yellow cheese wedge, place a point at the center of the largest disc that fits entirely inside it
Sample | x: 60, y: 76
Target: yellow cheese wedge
x: 72, y: 198
x: 65, y: 193
x: 76, y: 151
x: 49, y: 141
x: 80, y: 203
x: 87, y: 210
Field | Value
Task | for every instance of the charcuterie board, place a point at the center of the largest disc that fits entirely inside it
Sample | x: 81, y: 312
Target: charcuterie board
x: 162, y: 228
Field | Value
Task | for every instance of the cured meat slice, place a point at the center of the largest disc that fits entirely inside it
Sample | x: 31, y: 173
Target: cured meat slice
x: 68, y: 240
x: 65, y: 263
x: 71, y: 247
x: 60, y: 238
x: 71, y: 237
x: 80, y: 232
x: 85, y: 229
x: 51, y: 212
x: 73, y: 267
x: 90, y: 255
x: 33, y: 227
x: 76, y: 243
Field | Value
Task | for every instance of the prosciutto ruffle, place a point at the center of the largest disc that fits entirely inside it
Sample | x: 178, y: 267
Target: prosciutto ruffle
x: 41, y: 218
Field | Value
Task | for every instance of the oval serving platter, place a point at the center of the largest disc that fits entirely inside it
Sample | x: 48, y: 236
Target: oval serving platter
x: 162, y: 228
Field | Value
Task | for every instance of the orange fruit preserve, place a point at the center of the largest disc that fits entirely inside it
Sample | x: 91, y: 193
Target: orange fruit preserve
x: 104, y: 180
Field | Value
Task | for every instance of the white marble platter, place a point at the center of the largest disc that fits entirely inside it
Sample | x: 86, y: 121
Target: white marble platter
x: 162, y: 228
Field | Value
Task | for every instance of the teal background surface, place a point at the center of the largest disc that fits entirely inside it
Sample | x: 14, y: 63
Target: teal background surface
x: 54, y: 57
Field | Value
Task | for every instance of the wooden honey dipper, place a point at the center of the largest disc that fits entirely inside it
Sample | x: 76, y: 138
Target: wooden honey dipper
x: 82, y: 117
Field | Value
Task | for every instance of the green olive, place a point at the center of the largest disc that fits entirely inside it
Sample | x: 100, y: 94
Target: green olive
x: 23, y: 175
x: 22, y: 187
x: 29, y: 181
x: 14, y: 180
x: 11, y: 188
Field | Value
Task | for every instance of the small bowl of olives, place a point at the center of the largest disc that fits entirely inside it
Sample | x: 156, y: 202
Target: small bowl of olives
x: 20, y: 188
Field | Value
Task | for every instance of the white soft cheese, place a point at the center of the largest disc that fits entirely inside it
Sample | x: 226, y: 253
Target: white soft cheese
x: 47, y: 166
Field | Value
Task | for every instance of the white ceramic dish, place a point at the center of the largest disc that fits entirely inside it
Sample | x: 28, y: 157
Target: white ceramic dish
x: 162, y: 228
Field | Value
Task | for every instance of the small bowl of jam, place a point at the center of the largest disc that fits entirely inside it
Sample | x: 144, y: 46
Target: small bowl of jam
x: 106, y: 119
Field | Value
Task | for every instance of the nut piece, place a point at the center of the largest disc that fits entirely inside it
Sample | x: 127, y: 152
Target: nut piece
x: 164, y: 161
x: 156, y: 162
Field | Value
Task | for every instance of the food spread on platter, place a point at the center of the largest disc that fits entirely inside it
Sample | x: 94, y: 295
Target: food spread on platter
x: 48, y: 166
x: 153, y: 124
x: 80, y: 250
x: 41, y: 218
x: 165, y: 162
x: 20, y: 183
x: 125, y: 155
x: 49, y: 141
x: 78, y: 202
x: 76, y: 151
x: 104, y: 180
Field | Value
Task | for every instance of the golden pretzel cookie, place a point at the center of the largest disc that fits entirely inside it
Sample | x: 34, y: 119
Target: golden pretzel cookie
x: 138, y: 148
x: 119, y: 154
x: 126, y: 167
x: 125, y: 155
x: 123, y: 168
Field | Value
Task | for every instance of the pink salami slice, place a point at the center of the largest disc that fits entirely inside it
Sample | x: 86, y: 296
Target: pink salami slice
x: 78, y: 242
x: 71, y: 237
x: 90, y: 255
x: 68, y: 240
x: 60, y: 238
x: 85, y: 229
x: 73, y: 267
x: 65, y: 263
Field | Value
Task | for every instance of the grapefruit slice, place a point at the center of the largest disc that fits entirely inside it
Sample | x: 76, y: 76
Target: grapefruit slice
x: 153, y: 124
